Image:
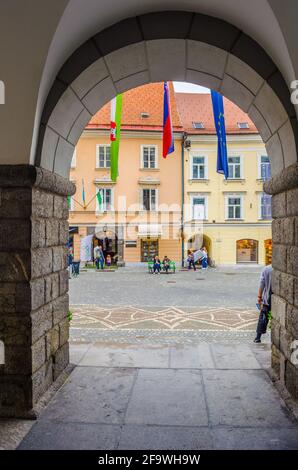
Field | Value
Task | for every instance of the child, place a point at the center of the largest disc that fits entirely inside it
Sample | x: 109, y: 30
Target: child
x: 108, y: 261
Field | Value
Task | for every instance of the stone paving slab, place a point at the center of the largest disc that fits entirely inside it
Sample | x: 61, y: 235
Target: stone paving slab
x: 93, y: 395
x: 243, y: 398
x: 238, y: 356
x: 168, y: 397
x: 198, y: 356
x: 47, y: 435
x: 126, y: 355
x: 255, y: 438
x: 165, y: 438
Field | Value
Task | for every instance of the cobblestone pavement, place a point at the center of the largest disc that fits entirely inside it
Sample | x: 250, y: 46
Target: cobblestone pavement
x: 230, y: 287
x: 172, y: 318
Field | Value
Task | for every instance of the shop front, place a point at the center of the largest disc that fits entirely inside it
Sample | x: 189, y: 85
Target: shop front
x: 247, y: 251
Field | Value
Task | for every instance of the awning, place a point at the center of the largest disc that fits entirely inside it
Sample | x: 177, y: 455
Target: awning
x: 149, y: 230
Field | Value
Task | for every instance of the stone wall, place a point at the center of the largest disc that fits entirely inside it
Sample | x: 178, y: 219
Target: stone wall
x: 284, y: 190
x: 33, y: 284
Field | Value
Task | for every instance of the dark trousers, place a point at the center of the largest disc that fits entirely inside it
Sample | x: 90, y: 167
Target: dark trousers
x: 156, y: 267
x: 191, y: 264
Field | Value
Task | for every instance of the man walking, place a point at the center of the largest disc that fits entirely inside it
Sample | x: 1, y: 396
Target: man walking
x: 98, y: 256
x: 264, y: 300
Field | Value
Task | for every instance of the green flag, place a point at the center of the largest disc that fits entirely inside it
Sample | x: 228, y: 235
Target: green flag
x: 99, y: 198
x: 116, y: 111
x: 69, y: 201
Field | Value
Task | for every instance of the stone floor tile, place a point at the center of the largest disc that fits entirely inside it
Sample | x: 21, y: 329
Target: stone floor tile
x: 168, y: 397
x: 196, y: 356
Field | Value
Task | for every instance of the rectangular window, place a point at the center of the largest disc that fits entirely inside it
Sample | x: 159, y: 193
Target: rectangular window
x: 233, y: 207
x: 103, y: 158
x: 149, y: 199
x: 234, y: 167
x: 106, y: 200
x: 149, y: 159
x: 265, y: 207
x: 199, y: 207
x: 264, y: 169
x: 199, y: 168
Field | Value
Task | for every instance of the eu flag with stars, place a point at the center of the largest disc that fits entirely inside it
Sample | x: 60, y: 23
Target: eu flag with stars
x: 219, y: 121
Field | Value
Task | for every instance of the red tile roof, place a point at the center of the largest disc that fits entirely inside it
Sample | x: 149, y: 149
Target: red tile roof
x: 186, y: 108
x: 143, y: 99
x: 197, y: 107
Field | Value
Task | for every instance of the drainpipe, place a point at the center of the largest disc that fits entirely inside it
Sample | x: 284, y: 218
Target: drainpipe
x: 182, y: 197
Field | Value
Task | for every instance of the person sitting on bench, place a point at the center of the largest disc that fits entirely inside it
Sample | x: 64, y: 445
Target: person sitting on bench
x: 166, y: 264
x: 156, y: 265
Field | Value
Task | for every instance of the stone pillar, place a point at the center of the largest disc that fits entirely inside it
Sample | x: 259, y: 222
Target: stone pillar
x: 284, y: 190
x: 33, y: 285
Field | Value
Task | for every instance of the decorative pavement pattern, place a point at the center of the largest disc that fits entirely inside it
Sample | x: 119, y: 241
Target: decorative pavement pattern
x: 163, y: 318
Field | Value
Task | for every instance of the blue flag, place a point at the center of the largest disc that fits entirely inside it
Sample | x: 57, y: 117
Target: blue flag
x: 83, y: 193
x: 219, y: 121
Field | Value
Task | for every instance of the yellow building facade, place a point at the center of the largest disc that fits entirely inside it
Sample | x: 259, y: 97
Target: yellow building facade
x: 236, y: 225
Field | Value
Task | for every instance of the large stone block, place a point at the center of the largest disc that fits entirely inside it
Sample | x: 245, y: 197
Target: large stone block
x: 16, y: 330
x: 292, y: 260
x: 21, y: 230
x: 52, y: 287
x: 38, y: 233
x: 279, y: 306
x: 61, y: 207
x: 42, y: 380
x: 274, y: 149
x: 275, y: 359
x: 15, y: 203
x: 279, y: 205
x: 58, y: 258
x: 236, y: 92
x: 38, y: 350
x: 18, y: 360
x: 279, y: 257
x: 37, y: 293
x: 52, y: 232
x: 15, y: 267
x: 135, y: 61
x: 292, y: 321
x: 286, y: 341
x: 292, y: 202
x: 165, y: 57
x: 42, y: 263
x: 41, y: 321
x: 271, y: 108
x: 206, y: 58
x: 291, y: 379
x: 287, y: 287
x: 63, y: 232
x: 63, y: 157
x: 52, y: 341
x: 42, y: 203
x: 15, y: 396
x: 296, y: 291
x: 65, y: 113
x: 275, y: 333
x: 63, y: 332
x: 64, y: 282
x: 60, y: 309
x: 61, y: 360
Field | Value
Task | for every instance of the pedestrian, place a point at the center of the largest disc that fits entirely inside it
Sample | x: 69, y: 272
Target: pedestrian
x: 264, y: 301
x: 108, y: 261
x: 204, y: 259
x: 191, y: 261
x: 156, y: 265
x: 99, y: 257
x: 166, y: 264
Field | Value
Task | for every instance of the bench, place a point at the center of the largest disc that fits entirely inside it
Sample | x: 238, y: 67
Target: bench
x: 172, y: 267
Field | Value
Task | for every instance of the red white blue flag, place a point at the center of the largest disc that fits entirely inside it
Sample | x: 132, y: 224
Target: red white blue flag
x: 168, y: 136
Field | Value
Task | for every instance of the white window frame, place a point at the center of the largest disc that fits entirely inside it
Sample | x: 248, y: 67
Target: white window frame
x: 260, y: 155
x: 73, y: 163
x: 235, y: 195
x: 142, y: 157
x: 156, y: 200
x: 202, y: 196
x: 233, y: 155
x: 205, y: 166
x: 260, y: 206
x: 97, y: 157
x: 103, y: 208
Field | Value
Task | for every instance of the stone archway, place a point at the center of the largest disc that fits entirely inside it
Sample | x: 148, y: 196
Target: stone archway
x: 157, y: 46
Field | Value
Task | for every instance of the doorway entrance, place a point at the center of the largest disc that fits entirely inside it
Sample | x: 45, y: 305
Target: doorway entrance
x: 268, y: 251
x: 247, y: 251
x: 149, y: 249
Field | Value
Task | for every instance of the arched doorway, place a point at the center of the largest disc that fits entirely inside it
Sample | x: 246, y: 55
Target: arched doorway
x: 247, y: 251
x: 268, y: 251
x: 236, y: 66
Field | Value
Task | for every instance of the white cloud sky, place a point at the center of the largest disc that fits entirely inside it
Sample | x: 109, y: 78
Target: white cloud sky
x: 183, y: 87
